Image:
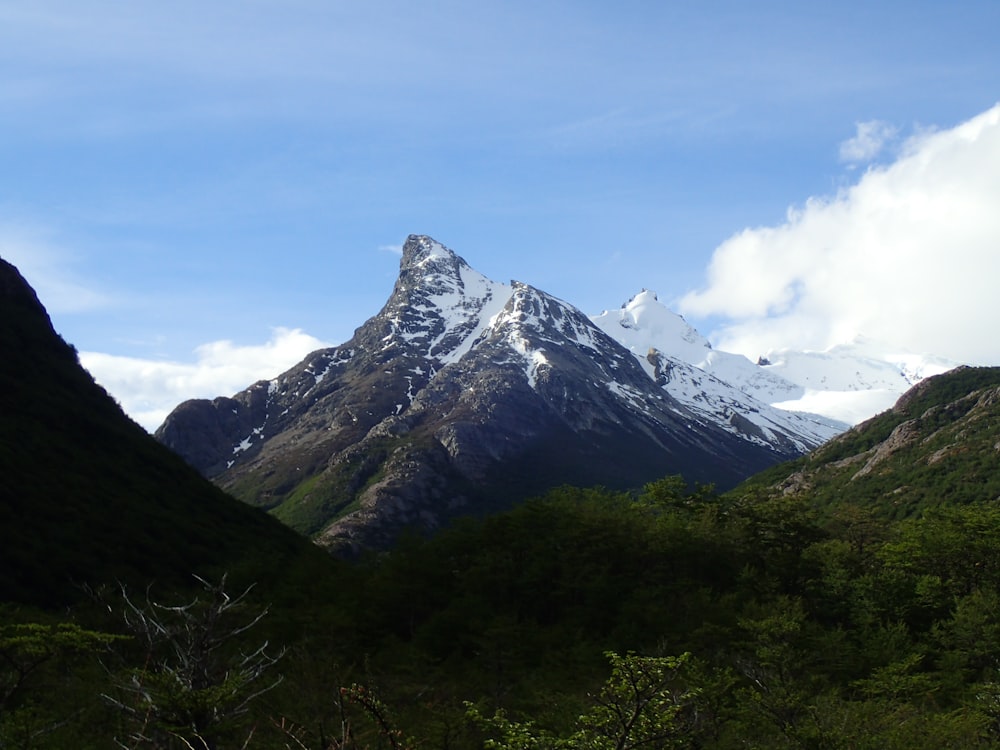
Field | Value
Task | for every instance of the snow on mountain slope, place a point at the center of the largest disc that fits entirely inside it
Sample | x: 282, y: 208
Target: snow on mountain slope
x: 727, y: 388
x: 841, y: 386
x: 851, y: 382
x: 443, y: 304
x: 644, y: 322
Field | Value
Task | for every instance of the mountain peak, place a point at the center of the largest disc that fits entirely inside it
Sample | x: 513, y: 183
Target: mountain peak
x: 464, y: 393
x: 643, y: 320
x: 421, y: 251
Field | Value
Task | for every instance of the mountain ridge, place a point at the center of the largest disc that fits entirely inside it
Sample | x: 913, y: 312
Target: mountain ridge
x: 456, y: 385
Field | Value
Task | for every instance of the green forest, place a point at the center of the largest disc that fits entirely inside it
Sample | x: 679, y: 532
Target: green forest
x: 664, y: 619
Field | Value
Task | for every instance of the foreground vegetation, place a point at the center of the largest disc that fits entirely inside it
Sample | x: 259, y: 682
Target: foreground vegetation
x: 705, y: 621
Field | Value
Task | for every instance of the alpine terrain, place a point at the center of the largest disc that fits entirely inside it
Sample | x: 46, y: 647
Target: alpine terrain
x: 464, y: 395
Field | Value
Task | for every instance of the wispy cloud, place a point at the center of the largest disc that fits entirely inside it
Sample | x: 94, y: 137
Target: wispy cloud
x: 149, y: 389
x: 907, y: 255
x: 868, y: 142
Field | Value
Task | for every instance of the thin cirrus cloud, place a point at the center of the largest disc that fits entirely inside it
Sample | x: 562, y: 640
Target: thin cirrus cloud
x: 149, y: 389
x: 907, y: 255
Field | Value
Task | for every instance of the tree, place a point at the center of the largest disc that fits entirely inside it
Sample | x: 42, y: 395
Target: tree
x: 644, y: 704
x: 196, y: 682
x: 32, y: 657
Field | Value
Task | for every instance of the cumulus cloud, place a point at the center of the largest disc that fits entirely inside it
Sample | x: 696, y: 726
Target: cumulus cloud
x: 149, y: 389
x: 869, y: 140
x: 909, y: 255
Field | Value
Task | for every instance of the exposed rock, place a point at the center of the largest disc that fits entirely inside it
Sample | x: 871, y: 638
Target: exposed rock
x: 902, y: 437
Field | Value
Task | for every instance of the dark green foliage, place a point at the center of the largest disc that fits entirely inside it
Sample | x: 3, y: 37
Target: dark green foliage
x: 194, y: 684
x: 48, y: 670
x: 88, y: 497
x: 645, y: 703
x: 799, y: 632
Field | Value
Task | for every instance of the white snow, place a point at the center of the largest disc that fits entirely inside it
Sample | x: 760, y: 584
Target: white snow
x: 248, y: 440
x: 462, y: 306
x: 534, y: 359
x: 852, y: 381
x: 322, y: 375
x: 245, y: 445
x: 847, y: 383
x: 851, y: 407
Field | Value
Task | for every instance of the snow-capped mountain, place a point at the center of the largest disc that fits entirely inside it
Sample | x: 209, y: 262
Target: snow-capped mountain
x: 845, y: 384
x: 464, y: 394
x: 850, y: 382
x: 726, y: 388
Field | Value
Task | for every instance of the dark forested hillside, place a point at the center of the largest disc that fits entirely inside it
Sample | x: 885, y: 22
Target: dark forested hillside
x: 87, y: 496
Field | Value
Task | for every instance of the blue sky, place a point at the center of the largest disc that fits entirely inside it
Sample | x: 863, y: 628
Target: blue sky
x: 201, y: 192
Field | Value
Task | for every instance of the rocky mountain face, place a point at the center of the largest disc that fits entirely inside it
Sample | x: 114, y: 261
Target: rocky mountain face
x: 465, y: 395
x: 939, y: 444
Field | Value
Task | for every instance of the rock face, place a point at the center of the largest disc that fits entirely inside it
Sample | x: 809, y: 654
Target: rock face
x: 463, y: 395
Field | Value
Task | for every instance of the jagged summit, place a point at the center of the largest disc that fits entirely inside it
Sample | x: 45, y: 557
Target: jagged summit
x: 464, y: 394
x: 438, y: 303
x: 426, y: 253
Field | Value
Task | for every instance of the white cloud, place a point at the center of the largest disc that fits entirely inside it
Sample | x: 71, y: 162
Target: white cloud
x: 869, y: 140
x: 909, y: 255
x: 149, y: 389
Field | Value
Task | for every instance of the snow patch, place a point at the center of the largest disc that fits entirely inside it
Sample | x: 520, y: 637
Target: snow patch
x: 247, y: 442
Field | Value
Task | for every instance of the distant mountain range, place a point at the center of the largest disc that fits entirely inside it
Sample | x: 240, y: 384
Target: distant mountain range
x: 870, y: 561
x: 464, y: 395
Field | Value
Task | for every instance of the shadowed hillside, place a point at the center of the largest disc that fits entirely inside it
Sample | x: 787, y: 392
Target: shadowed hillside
x: 87, y: 496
